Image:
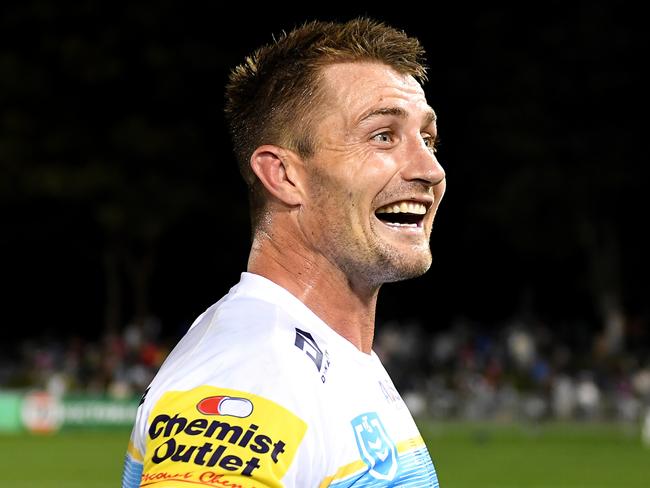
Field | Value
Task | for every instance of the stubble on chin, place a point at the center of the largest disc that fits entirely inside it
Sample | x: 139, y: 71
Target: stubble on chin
x: 401, y: 269
x: 389, y: 265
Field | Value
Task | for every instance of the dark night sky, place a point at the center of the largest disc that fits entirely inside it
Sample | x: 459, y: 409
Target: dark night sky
x: 114, y: 112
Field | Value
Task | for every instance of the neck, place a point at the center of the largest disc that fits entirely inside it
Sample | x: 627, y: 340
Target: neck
x: 347, y: 307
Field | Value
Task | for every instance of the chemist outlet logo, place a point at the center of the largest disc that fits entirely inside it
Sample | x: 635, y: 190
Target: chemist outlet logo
x: 224, y: 431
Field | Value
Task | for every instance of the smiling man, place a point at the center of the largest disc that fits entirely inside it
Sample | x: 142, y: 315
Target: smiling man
x: 276, y: 385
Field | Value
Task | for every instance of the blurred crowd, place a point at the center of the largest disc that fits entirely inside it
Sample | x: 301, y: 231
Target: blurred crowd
x: 119, y: 365
x: 519, y: 370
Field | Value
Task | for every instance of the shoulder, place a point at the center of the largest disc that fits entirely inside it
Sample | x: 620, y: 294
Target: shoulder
x: 242, y: 390
x: 248, y: 345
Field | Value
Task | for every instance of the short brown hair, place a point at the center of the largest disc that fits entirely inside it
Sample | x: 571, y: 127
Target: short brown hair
x: 271, y: 97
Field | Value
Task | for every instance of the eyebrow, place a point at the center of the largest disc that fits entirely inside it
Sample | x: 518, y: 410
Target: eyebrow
x: 397, y: 112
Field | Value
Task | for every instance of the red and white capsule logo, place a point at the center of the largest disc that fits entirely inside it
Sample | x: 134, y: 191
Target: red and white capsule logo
x: 225, y: 405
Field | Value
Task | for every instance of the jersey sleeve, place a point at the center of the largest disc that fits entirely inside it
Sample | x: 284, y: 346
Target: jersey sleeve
x: 214, y: 436
x: 132, y: 473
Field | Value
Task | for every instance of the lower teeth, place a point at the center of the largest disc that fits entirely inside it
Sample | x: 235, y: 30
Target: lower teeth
x: 397, y: 224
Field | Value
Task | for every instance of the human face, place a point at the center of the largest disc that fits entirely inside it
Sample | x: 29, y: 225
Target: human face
x: 374, y: 183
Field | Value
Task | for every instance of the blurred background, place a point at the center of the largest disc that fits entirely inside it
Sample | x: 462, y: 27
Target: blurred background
x: 124, y: 217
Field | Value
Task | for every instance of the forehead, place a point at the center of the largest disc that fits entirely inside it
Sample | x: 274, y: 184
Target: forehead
x: 355, y: 88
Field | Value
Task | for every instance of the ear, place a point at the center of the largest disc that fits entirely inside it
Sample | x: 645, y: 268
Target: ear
x: 277, y: 169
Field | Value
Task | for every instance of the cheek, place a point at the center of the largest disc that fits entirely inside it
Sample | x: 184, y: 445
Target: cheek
x: 374, y: 165
x: 348, y: 186
x: 379, y: 175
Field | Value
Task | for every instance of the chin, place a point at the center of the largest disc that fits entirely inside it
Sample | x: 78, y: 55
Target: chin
x: 400, y: 269
x: 406, y: 273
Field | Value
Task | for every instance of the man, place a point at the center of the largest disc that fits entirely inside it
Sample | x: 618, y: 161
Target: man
x: 276, y: 385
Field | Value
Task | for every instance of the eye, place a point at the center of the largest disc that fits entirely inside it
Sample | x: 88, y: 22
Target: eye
x: 431, y: 142
x: 383, y: 137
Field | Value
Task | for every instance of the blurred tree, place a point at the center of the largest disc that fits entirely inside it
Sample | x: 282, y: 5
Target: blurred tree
x: 112, y: 115
x: 564, y: 175
x: 98, y: 110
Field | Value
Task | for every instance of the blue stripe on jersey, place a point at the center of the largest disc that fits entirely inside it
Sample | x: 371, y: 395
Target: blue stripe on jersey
x: 132, y: 474
x: 415, y: 471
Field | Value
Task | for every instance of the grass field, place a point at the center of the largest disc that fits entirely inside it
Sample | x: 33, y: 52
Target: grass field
x: 466, y: 456
x: 548, y: 456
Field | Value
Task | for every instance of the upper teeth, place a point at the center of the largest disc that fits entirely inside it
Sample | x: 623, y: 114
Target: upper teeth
x: 404, y: 207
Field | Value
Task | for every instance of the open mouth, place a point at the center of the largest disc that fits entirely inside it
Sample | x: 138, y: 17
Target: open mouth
x: 402, y: 214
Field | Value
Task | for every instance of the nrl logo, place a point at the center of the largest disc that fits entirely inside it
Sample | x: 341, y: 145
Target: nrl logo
x: 376, y: 448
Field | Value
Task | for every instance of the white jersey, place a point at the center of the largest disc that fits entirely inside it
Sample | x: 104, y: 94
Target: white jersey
x: 262, y: 393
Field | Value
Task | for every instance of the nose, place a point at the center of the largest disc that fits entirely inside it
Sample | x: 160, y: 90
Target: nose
x: 421, y: 164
